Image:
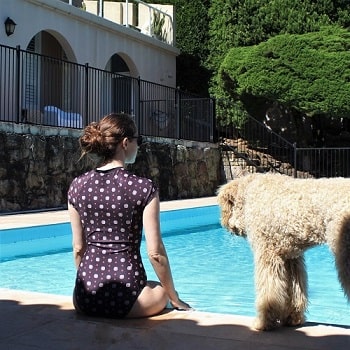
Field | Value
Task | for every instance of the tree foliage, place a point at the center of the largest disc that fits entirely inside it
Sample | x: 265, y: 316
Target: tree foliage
x: 192, y: 27
x: 297, y: 84
x: 192, y: 34
x: 309, y: 73
x: 237, y: 23
x: 191, y: 22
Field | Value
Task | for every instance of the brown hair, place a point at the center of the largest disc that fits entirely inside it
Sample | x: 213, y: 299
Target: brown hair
x: 102, y: 138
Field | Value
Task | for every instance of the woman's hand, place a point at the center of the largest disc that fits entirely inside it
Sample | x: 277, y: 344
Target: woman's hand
x: 180, y: 305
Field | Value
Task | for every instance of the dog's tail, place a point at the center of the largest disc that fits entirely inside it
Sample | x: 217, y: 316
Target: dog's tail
x: 342, y: 255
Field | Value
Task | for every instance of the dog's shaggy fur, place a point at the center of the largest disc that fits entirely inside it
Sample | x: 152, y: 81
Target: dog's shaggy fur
x: 282, y: 217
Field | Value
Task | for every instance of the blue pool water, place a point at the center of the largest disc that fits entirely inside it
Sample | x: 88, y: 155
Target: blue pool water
x: 212, y: 269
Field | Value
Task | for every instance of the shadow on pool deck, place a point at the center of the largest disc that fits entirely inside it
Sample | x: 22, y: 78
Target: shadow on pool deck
x: 44, y: 321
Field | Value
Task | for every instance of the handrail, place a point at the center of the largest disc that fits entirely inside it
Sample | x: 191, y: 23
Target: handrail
x: 155, y: 9
x: 167, y: 27
x: 264, y: 150
x: 150, y: 7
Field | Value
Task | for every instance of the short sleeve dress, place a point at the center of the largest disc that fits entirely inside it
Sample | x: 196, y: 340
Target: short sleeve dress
x: 111, y: 275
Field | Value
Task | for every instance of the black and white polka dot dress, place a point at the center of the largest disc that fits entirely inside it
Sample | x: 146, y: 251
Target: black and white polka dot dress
x: 111, y: 274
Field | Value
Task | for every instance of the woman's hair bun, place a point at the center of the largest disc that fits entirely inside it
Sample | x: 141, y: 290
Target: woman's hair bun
x: 92, y: 140
x: 102, y: 138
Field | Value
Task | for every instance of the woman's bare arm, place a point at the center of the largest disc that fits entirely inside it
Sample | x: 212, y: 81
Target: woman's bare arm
x: 157, y: 252
x: 79, y: 244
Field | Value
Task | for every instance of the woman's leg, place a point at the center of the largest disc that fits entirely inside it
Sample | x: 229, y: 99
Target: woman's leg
x: 75, y: 302
x: 151, y: 301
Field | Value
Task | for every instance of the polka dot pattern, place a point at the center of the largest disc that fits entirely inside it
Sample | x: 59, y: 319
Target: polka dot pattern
x: 111, y: 274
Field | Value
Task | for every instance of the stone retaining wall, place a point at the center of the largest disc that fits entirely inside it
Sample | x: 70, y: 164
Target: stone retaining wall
x: 38, y: 163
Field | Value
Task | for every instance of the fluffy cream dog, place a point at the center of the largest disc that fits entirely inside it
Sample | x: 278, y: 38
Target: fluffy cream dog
x: 282, y: 217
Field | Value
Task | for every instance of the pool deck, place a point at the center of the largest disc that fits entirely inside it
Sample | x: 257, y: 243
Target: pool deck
x: 45, y: 321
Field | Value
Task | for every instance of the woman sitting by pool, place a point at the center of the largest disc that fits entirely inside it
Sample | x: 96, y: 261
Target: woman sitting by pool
x: 108, y: 208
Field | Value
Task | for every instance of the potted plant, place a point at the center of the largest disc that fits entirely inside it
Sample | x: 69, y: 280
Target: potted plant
x: 158, y: 22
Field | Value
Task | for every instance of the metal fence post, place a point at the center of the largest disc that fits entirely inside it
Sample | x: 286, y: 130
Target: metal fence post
x: 138, y: 103
x: 100, y: 8
x: 86, y: 94
x: 177, y: 110
x: 295, y: 173
x: 127, y: 13
x: 214, y: 136
x: 18, y: 72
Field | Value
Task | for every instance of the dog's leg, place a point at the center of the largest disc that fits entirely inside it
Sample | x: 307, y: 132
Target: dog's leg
x: 339, y: 242
x: 298, y: 289
x: 272, y: 289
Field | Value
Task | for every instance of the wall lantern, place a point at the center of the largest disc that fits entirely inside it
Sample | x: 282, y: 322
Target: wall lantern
x: 9, y: 26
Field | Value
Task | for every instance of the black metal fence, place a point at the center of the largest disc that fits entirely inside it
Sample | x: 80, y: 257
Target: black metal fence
x: 323, y: 162
x: 43, y: 90
x: 265, y: 150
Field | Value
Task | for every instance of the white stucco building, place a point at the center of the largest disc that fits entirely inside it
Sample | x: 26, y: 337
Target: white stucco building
x: 62, y: 29
x: 78, y: 60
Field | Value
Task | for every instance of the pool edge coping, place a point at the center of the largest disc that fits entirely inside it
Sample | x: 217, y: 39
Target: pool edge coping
x: 62, y: 216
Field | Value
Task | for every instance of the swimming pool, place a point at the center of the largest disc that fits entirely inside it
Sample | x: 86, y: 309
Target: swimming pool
x: 212, y: 269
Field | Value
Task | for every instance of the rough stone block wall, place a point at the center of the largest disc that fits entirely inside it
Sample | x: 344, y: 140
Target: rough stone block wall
x: 37, y: 165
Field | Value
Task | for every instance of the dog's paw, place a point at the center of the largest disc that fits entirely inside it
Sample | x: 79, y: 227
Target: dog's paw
x: 295, y: 319
x: 263, y: 325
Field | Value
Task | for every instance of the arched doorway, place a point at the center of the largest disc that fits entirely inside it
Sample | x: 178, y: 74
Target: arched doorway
x: 51, y: 83
x: 123, y: 86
